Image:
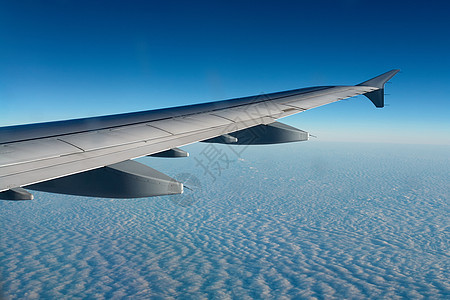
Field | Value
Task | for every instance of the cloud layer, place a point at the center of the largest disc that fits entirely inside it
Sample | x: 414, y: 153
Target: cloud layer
x: 304, y: 220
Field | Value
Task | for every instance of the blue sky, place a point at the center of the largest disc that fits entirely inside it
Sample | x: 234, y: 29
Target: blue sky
x: 71, y: 59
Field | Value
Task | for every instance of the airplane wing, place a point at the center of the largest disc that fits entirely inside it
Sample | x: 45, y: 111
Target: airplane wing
x: 93, y: 156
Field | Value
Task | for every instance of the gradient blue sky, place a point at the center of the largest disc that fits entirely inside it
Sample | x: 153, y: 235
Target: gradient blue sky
x: 71, y: 59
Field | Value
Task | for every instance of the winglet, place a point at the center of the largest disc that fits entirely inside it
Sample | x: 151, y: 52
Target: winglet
x: 377, y: 96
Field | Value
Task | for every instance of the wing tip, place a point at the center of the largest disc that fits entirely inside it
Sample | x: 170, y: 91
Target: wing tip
x: 380, y: 80
x: 377, y: 96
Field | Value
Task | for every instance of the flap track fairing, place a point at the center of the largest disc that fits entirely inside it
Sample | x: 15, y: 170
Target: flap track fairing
x: 127, y: 179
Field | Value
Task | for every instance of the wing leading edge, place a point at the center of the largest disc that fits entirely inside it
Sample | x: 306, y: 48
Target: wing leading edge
x: 57, y: 156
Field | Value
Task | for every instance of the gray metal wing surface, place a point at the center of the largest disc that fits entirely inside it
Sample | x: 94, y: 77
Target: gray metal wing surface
x: 36, y: 153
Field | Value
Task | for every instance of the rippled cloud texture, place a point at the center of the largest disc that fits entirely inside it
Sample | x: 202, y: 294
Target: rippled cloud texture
x: 304, y: 220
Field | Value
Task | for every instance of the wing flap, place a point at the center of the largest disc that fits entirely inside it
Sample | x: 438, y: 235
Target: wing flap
x: 190, y: 123
x: 34, y: 150
x: 325, y: 97
x: 89, y: 141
